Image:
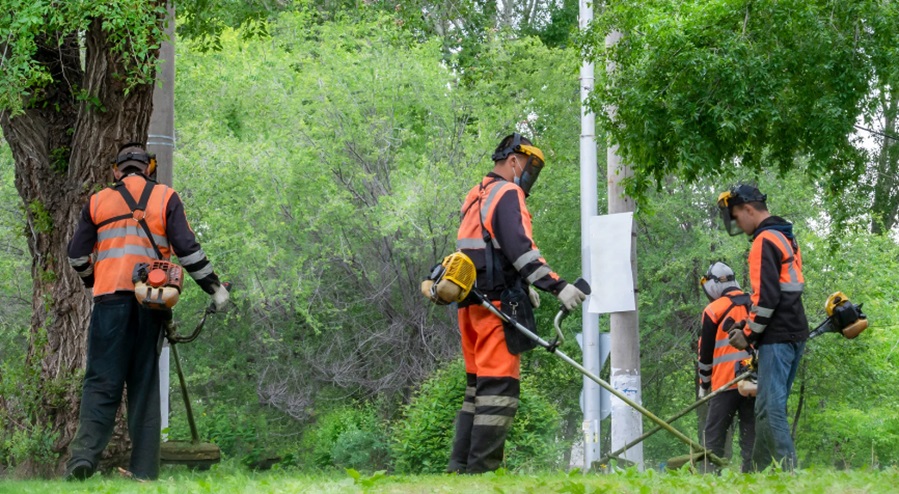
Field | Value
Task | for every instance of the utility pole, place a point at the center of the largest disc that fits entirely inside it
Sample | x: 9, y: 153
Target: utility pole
x: 590, y: 321
x: 161, y: 140
x: 627, y: 423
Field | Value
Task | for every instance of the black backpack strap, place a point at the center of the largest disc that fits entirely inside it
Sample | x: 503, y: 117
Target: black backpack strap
x: 493, y: 267
x: 140, y: 205
x: 735, y: 302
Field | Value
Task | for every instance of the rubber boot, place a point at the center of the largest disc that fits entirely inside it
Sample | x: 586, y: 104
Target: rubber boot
x: 496, y: 403
x: 464, y: 419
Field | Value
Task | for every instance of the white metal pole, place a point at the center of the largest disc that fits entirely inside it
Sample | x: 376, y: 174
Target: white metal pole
x: 590, y: 324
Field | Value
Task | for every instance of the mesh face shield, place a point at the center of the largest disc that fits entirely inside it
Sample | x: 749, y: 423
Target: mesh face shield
x: 717, y: 279
x: 532, y: 166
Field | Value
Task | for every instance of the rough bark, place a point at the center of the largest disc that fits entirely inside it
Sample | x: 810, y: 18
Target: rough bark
x: 62, y: 145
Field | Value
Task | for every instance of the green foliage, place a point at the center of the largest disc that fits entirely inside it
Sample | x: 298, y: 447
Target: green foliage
x: 699, y: 85
x: 356, y: 145
x: 130, y: 27
x: 366, y: 482
x: 351, y: 437
x: 227, y: 478
x: 26, y: 439
x: 15, y: 302
x: 422, y: 439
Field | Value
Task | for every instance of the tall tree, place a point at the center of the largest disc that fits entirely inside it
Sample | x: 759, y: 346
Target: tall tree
x: 885, y: 169
x: 77, y: 81
x: 704, y: 85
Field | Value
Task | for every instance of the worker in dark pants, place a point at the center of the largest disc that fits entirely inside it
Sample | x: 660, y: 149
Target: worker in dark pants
x: 134, y: 221
x: 718, y: 363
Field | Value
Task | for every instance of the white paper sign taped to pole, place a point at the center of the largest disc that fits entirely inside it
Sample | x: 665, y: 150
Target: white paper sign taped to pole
x: 611, y: 277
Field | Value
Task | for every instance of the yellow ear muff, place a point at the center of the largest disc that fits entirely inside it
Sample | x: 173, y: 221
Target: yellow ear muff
x: 152, y: 166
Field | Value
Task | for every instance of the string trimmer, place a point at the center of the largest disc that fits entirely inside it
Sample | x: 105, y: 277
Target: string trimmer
x: 453, y: 281
x: 193, y: 453
x: 843, y: 317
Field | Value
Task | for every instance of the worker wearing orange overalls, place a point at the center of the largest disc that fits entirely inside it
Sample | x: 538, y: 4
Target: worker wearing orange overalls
x: 124, y: 336
x: 718, y: 362
x: 496, y: 234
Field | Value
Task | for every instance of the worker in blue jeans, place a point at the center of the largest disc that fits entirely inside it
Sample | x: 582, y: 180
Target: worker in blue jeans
x: 776, y: 325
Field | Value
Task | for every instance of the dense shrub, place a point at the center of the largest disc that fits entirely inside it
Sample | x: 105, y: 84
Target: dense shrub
x: 348, y: 437
x: 422, y: 439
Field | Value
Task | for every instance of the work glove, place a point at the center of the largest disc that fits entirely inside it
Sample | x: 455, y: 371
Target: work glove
x: 571, y: 297
x: 736, y: 337
x: 703, y: 392
x: 220, y: 298
x: 534, y: 296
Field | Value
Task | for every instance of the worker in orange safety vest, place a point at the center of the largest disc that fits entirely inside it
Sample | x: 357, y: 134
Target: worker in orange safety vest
x: 134, y: 221
x: 495, y: 233
x: 776, y: 325
x: 718, y: 362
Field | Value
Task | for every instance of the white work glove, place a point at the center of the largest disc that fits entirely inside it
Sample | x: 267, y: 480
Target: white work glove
x: 571, y: 297
x: 220, y: 297
x: 534, y: 295
x: 703, y: 392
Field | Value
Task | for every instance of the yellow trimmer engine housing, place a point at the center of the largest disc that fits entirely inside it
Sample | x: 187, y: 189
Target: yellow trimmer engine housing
x: 157, y: 284
x: 450, y: 281
x: 748, y: 387
x: 846, y: 317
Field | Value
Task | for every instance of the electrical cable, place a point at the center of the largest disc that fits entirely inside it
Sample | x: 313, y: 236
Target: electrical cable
x: 881, y: 134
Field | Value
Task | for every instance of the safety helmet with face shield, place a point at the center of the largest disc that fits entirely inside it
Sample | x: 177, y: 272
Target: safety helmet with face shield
x: 717, y: 280
x: 736, y: 195
x: 515, y: 143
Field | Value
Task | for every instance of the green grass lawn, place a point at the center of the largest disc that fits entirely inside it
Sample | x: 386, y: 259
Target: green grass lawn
x: 228, y: 480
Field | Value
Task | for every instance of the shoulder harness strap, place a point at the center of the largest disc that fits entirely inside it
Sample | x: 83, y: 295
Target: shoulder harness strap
x: 138, y: 211
x: 735, y: 300
x: 493, y: 267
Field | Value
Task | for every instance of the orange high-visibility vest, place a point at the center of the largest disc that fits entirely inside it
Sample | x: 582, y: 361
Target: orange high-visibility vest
x: 122, y: 243
x: 790, y: 275
x: 724, y: 312
x: 476, y: 228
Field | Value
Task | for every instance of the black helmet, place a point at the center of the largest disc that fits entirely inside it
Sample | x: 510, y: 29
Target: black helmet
x: 736, y: 195
x: 740, y: 194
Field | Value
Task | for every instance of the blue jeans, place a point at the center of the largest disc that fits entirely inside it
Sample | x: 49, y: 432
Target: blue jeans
x: 778, y: 363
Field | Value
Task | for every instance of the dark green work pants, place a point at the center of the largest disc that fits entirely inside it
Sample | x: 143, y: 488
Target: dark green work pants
x: 122, y: 345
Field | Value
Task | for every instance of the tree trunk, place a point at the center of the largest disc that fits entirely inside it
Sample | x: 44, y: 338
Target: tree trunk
x: 62, y: 145
x: 886, y: 167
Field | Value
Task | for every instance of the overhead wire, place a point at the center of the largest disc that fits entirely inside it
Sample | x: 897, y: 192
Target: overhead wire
x: 877, y: 132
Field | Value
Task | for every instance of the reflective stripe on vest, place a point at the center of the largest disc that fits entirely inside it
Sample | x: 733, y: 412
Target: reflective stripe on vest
x: 791, y: 279
x: 123, y: 243
x: 725, y: 357
x: 471, y: 236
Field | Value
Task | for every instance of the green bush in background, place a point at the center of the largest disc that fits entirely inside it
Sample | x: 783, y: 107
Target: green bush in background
x: 352, y: 436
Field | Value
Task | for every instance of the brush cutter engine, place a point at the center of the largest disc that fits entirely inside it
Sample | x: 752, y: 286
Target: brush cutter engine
x: 843, y: 317
x: 450, y: 281
x: 846, y: 317
x: 157, y: 284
